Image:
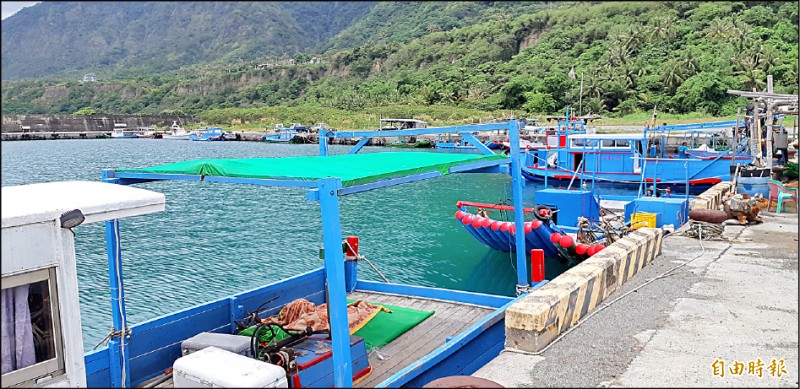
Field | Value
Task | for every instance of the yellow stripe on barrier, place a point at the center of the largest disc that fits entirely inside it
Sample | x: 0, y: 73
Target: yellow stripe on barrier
x: 539, y: 317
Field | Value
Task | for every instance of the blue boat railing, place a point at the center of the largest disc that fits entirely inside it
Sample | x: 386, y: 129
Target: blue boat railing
x: 144, y: 350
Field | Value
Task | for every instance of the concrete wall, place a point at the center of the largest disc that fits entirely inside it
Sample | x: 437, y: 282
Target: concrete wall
x: 88, y: 123
x: 712, y: 198
x: 533, y: 322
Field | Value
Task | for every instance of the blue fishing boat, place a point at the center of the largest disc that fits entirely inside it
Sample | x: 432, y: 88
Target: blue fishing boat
x: 645, y: 157
x: 465, y: 329
x: 208, y: 134
x: 458, y: 146
x: 540, y: 233
x: 284, y: 135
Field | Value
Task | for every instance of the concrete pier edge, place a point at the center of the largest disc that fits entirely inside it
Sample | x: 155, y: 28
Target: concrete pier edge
x: 712, y: 198
x: 537, y: 319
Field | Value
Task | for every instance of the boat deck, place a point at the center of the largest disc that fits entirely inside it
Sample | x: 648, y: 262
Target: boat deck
x: 449, y: 319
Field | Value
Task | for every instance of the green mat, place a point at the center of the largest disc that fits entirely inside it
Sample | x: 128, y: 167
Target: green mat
x: 385, y: 327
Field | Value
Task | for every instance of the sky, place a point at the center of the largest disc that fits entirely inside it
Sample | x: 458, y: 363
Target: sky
x: 11, y: 7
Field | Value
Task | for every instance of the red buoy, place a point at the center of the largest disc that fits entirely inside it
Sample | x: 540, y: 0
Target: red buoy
x: 476, y: 222
x: 504, y: 226
x: 513, y: 228
x: 486, y: 222
x: 459, y: 204
x: 581, y: 248
x: 555, y: 237
x: 466, y: 219
x: 528, y: 228
x: 566, y: 241
x: 459, y: 214
x: 536, y: 224
x: 600, y: 248
x: 495, y: 225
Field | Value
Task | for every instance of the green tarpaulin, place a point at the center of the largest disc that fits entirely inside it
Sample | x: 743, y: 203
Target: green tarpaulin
x: 352, y: 169
x: 385, y: 327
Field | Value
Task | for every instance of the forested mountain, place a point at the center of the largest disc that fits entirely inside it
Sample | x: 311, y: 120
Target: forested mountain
x: 677, y: 56
x: 117, y: 39
x: 402, y: 21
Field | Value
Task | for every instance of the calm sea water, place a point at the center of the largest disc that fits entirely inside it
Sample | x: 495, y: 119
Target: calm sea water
x: 217, y: 239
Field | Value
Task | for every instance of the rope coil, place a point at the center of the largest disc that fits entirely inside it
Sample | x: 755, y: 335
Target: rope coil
x: 709, y: 231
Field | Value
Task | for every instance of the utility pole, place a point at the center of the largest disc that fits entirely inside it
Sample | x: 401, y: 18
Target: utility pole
x: 580, y: 98
x: 733, y: 136
x: 769, y: 123
x: 755, y: 132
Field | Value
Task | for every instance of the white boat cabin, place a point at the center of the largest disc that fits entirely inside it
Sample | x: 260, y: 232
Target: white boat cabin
x: 42, y: 341
x: 402, y: 124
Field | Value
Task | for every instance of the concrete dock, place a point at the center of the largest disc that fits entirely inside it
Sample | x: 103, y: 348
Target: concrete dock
x: 698, y: 310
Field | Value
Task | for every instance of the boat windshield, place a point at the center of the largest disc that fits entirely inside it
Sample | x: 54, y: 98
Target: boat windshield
x: 583, y: 142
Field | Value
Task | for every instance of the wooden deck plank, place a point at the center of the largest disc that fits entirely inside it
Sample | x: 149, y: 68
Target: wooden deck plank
x: 418, y: 342
x: 448, y: 320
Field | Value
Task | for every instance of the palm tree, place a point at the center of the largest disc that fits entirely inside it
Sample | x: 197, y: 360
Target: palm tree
x: 720, y: 29
x: 749, y: 71
x: 742, y: 36
x: 661, y: 29
x: 672, y: 75
x: 688, y: 63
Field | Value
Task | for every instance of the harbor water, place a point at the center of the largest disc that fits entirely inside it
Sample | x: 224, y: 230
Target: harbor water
x: 217, y: 239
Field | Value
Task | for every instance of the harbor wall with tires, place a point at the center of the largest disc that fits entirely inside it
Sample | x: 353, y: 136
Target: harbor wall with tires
x: 537, y: 319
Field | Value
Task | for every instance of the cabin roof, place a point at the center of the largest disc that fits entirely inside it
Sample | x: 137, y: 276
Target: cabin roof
x: 98, y: 201
x: 404, y: 120
x: 626, y: 135
x: 352, y: 169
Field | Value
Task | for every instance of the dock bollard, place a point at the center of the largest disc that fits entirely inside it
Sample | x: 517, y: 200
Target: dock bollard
x: 537, y: 265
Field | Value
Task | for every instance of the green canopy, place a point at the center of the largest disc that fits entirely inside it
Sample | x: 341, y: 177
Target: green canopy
x: 353, y: 169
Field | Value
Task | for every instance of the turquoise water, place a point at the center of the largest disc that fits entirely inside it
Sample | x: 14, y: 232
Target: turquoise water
x: 217, y: 239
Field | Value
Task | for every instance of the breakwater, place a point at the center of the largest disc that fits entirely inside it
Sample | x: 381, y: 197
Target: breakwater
x: 24, y: 127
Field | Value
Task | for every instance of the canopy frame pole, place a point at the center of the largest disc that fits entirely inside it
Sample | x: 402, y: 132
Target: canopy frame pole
x: 119, y: 366
x: 335, y: 281
x: 519, y: 213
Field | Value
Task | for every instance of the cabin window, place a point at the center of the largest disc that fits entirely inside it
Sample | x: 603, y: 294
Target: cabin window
x: 31, y: 332
x: 582, y: 142
x: 616, y: 143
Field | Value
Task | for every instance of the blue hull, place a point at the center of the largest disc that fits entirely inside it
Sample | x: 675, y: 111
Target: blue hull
x: 672, y: 173
x: 498, y: 235
x: 154, y: 345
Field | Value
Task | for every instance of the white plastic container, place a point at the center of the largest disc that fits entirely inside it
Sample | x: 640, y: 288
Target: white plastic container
x: 212, y: 367
x: 236, y: 344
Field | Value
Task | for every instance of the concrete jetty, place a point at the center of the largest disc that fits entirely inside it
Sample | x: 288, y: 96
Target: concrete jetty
x: 721, y: 311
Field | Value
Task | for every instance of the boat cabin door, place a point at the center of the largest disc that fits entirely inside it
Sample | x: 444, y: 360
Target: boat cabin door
x: 637, y: 156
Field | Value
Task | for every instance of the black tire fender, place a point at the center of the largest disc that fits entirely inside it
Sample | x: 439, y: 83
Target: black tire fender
x: 541, y: 207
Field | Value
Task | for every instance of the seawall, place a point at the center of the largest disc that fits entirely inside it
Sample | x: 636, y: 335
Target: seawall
x: 42, y: 126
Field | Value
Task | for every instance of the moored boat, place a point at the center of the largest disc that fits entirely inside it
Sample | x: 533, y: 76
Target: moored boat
x: 645, y: 157
x: 121, y: 131
x: 466, y: 329
x: 208, y: 134
x: 176, y: 132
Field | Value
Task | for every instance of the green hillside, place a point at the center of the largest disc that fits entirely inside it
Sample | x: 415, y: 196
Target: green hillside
x: 118, y: 39
x: 676, y: 57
